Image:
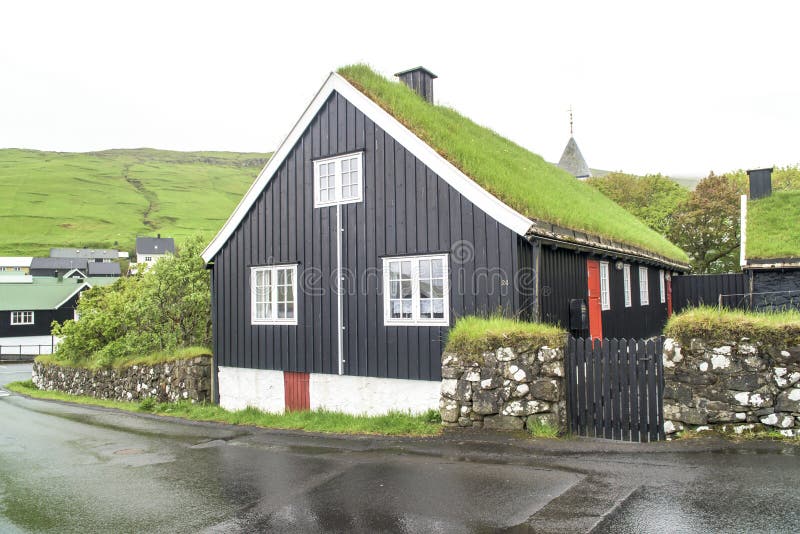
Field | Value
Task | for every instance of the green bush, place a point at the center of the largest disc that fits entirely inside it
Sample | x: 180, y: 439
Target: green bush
x: 160, y: 310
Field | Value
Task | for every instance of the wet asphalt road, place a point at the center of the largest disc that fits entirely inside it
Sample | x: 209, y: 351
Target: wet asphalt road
x: 66, y: 468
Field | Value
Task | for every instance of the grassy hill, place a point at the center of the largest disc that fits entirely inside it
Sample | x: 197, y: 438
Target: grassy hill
x: 106, y: 199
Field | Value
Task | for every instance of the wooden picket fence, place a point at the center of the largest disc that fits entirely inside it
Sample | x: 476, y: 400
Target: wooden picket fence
x: 615, y: 388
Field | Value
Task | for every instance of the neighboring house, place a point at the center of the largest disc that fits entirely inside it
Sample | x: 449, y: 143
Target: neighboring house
x: 57, y: 266
x: 17, y: 264
x: 92, y: 255
x: 336, y: 278
x: 770, y: 251
x: 150, y: 249
x: 104, y: 269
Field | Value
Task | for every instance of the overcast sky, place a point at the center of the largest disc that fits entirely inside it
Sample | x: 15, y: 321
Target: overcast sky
x: 674, y: 87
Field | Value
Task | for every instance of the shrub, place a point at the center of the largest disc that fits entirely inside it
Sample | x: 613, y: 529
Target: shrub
x: 164, y: 308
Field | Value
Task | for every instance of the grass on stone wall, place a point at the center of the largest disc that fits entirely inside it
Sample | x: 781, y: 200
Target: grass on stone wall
x: 476, y: 335
x: 391, y: 424
x: 186, y: 353
x: 724, y: 325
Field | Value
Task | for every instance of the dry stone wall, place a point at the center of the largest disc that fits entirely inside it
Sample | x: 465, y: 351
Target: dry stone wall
x: 166, y: 382
x: 506, y: 389
x: 737, y: 386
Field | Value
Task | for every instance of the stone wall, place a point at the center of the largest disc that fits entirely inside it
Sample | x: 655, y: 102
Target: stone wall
x: 507, y: 389
x: 734, y: 386
x: 167, y: 382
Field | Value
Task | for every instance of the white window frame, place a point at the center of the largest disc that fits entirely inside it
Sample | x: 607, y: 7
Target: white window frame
x: 22, y: 318
x: 273, y: 301
x: 626, y: 282
x: 644, y: 286
x: 148, y: 259
x: 415, y: 319
x: 337, y: 189
x: 605, y: 287
x: 662, y: 288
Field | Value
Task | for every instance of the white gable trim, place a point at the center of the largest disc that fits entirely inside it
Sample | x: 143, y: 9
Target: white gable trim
x: 427, y: 155
x: 80, y: 288
x: 73, y: 271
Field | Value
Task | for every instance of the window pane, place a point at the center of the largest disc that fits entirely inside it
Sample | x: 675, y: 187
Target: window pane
x: 290, y: 294
x: 425, y: 309
x: 281, y: 276
x: 260, y: 314
x: 281, y: 293
x: 406, y: 309
x: 345, y: 165
x: 406, y: 289
x: 394, y: 290
x: 438, y: 309
x: 437, y: 288
x: 394, y: 270
x: 424, y: 268
x: 290, y: 311
x: 281, y: 311
x: 395, y: 309
x: 424, y: 289
x: 406, y: 269
x: 437, y: 268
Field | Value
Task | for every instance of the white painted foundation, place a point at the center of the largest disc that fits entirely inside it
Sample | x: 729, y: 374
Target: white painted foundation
x: 259, y: 388
x: 357, y: 395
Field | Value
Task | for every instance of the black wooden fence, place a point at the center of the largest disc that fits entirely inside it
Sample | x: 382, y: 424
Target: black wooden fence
x: 706, y: 289
x: 615, y: 388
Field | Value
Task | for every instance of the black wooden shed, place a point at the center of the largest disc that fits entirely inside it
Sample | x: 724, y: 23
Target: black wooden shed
x: 366, y: 236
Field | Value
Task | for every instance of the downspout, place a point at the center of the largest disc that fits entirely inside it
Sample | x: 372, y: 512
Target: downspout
x: 743, y: 246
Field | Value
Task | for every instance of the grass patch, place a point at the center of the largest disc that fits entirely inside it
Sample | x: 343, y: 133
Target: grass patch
x: 186, y: 353
x: 724, y: 325
x: 472, y: 336
x: 178, y: 194
x: 542, y: 430
x: 391, y: 424
x: 518, y: 177
x: 745, y: 435
x: 772, y: 226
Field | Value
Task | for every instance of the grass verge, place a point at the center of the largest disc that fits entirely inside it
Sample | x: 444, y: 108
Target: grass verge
x: 391, y: 424
x: 715, y: 325
x: 186, y: 353
x: 542, y: 430
x: 476, y: 335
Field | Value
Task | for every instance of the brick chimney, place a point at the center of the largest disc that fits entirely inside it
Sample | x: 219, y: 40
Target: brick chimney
x: 760, y: 183
x: 420, y: 80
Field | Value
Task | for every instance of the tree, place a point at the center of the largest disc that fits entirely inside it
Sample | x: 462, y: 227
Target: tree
x: 706, y: 225
x: 166, y: 307
x: 653, y: 198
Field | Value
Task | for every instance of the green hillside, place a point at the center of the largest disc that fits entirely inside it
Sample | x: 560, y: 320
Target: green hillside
x: 106, y: 199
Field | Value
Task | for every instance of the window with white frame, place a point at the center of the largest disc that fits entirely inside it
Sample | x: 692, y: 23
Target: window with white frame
x: 338, y: 180
x: 605, y: 294
x: 273, y: 294
x: 626, y: 281
x: 644, y: 289
x: 662, y: 287
x: 416, y: 290
x: 21, y: 317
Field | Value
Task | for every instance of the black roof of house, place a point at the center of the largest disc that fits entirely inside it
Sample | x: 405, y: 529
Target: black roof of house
x: 59, y: 263
x: 155, y: 245
x: 104, y: 269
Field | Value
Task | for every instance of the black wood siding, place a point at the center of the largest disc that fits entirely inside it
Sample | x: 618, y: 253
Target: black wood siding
x: 637, y: 320
x: 563, y: 276
x: 774, y: 290
x: 407, y: 210
x: 705, y: 289
x: 42, y: 319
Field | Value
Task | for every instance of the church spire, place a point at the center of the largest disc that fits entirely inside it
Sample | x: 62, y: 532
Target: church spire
x: 571, y: 159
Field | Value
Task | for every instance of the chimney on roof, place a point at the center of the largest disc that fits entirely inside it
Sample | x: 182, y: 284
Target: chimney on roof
x: 158, y: 236
x: 760, y: 183
x: 420, y: 80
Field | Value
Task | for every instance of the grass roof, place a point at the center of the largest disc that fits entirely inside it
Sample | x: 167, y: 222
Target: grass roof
x: 772, y: 226
x: 726, y: 326
x: 521, y: 179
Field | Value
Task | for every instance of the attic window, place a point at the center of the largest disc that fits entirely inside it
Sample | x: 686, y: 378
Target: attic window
x: 338, y: 180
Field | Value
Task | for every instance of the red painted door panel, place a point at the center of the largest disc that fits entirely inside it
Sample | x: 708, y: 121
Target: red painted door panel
x: 595, y: 311
x: 296, y: 391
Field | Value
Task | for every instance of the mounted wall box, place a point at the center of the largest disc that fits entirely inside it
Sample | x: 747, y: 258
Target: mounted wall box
x: 578, y: 315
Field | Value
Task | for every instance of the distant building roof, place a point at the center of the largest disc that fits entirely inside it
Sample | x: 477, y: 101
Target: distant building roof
x: 13, y: 277
x: 15, y: 261
x: 104, y: 269
x: 572, y: 161
x: 88, y: 253
x: 43, y: 293
x: 155, y: 245
x: 59, y: 263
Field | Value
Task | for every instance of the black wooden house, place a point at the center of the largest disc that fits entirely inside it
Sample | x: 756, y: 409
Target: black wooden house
x: 335, y: 280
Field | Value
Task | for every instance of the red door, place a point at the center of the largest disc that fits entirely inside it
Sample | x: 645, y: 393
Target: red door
x: 669, y: 296
x: 595, y: 312
x: 296, y: 391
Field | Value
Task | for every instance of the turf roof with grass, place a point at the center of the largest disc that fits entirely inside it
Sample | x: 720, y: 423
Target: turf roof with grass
x: 773, y: 226
x: 521, y: 179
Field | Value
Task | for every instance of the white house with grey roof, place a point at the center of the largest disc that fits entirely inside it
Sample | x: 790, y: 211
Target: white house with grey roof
x: 151, y: 249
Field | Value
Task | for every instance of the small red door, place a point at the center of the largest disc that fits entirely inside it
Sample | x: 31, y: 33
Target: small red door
x: 296, y: 391
x: 669, y: 295
x: 595, y: 311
